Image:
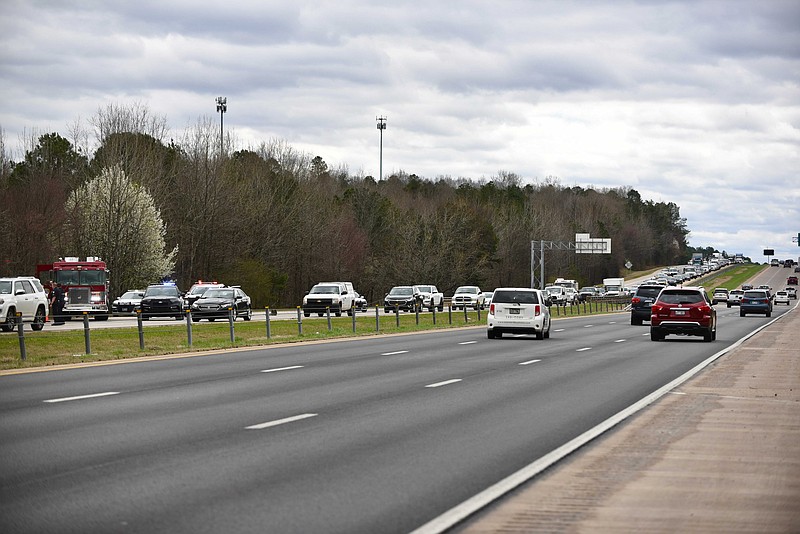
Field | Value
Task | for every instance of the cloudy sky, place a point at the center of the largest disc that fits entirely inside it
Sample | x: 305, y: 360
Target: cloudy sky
x: 694, y: 102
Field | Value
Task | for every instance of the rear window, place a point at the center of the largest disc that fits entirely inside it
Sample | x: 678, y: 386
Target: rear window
x: 648, y: 291
x: 681, y: 297
x: 519, y: 297
x: 755, y: 294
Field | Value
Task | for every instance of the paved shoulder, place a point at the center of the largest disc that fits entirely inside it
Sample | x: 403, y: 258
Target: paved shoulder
x: 719, y: 454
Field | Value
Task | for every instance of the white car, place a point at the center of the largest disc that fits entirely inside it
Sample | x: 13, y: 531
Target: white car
x: 782, y: 297
x: 431, y: 297
x: 517, y: 310
x: 25, y: 295
x: 468, y: 297
x: 735, y: 297
x: 557, y: 294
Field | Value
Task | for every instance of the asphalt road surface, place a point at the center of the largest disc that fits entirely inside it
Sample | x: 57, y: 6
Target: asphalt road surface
x: 369, y: 435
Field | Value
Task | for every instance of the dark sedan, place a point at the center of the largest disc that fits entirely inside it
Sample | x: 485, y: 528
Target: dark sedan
x: 217, y: 301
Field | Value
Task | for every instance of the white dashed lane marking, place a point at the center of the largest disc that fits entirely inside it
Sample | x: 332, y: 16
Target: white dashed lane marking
x: 81, y: 397
x: 529, y: 362
x: 282, y: 369
x: 281, y: 421
x: 393, y: 353
x: 445, y: 383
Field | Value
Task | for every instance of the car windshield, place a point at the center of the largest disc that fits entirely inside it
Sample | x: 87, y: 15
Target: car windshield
x: 5, y: 287
x: 325, y: 290
x: 515, y: 297
x: 131, y: 295
x: 218, y: 294
x: 162, y: 291
x: 198, y: 290
x: 401, y: 291
x: 470, y: 290
x: 681, y: 297
x: 425, y: 289
x: 648, y: 291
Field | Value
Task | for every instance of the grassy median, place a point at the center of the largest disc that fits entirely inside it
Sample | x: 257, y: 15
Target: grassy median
x: 53, y: 347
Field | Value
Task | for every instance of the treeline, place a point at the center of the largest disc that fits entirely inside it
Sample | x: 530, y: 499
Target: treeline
x: 276, y: 221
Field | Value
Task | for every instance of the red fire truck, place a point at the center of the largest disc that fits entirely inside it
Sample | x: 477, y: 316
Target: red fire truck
x: 85, y: 284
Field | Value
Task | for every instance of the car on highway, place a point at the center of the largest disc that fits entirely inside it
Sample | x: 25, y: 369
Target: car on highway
x: 792, y: 280
x: 782, y: 297
x: 557, y: 295
x: 26, y: 296
x: 487, y: 298
x: 128, y: 302
x: 197, y: 290
x: 431, y: 297
x: 683, y: 311
x: 162, y: 300
x: 589, y: 292
x: 332, y: 297
x: 720, y: 294
x: 518, y: 311
x: 734, y: 297
x: 792, y: 291
x: 218, y: 302
x: 468, y: 297
x: 756, y: 301
x: 641, y: 302
x: 359, y: 301
x: 402, y: 298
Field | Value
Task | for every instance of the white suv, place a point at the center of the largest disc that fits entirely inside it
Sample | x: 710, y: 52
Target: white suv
x: 25, y: 295
x: 518, y: 311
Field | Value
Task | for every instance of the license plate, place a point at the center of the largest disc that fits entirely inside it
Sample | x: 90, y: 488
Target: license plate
x: 680, y: 312
x: 513, y: 311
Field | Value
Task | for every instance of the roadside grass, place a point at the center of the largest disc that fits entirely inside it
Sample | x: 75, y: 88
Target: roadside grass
x: 731, y: 278
x: 49, y: 347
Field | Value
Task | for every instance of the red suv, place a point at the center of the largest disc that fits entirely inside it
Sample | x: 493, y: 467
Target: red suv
x: 792, y: 280
x: 684, y: 311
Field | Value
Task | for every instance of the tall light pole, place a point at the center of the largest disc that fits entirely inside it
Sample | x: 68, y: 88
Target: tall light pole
x: 381, y: 127
x: 222, y: 107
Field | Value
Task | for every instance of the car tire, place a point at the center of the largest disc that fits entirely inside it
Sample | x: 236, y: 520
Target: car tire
x: 708, y: 335
x: 306, y: 314
x: 211, y: 319
x: 635, y: 321
x: 540, y: 335
x: 655, y: 335
x: 38, y: 319
x: 729, y: 304
x: 248, y: 314
x: 338, y: 313
x: 441, y: 307
x: 742, y: 313
x: 490, y: 334
x: 195, y: 319
x: 102, y: 317
x: 8, y: 324
x: 547, y: 333
x: 769, y: 314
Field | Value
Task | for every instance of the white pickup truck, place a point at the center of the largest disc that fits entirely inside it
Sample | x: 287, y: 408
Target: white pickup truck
x: 431, y: 297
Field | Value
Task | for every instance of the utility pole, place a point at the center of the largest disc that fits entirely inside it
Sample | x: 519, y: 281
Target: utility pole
x: 381, y: 126
x: 222, y: 107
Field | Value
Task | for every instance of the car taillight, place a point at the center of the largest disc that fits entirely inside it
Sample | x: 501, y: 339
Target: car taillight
x: 491, y: 308
x: 655, y: 309
x: 705, y: 309
x: 636, y: 300
x: 537, y: 310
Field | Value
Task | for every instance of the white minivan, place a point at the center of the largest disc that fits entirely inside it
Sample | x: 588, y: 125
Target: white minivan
x: 516, y: 310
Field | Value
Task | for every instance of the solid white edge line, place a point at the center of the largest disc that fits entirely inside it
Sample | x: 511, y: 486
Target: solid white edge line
x: 280, y: 421
x: 529, y: 362
x: 393, y: 353
x: 462, y: 511
x: 620, y: 341
x: 81, y: 397
x: 281, y: 369
x: 445, y: 383
x: 467, y: 342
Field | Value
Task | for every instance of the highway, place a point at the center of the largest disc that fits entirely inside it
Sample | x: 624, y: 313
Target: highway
x: 370, y: 435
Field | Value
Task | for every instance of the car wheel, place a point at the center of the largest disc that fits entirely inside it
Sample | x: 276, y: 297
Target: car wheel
x: 769, y: 314
x: 38, y: 319
x: 441, y: 307
x: 729, y: 304
x: 655, y: 336
x: 211, y: 319
x: 547, y: 333
x: 8, y: 324
x: 741, y: 313
x: 490, y: 334
x: 248, y: 314
x: 320, y: 314
x: 636, y: 321
x: 714, y: 335
x: 195, y: 319
x: 338, y: 313
x: 178, y: 317
x: 708, y: 335
x: 539, y: 335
